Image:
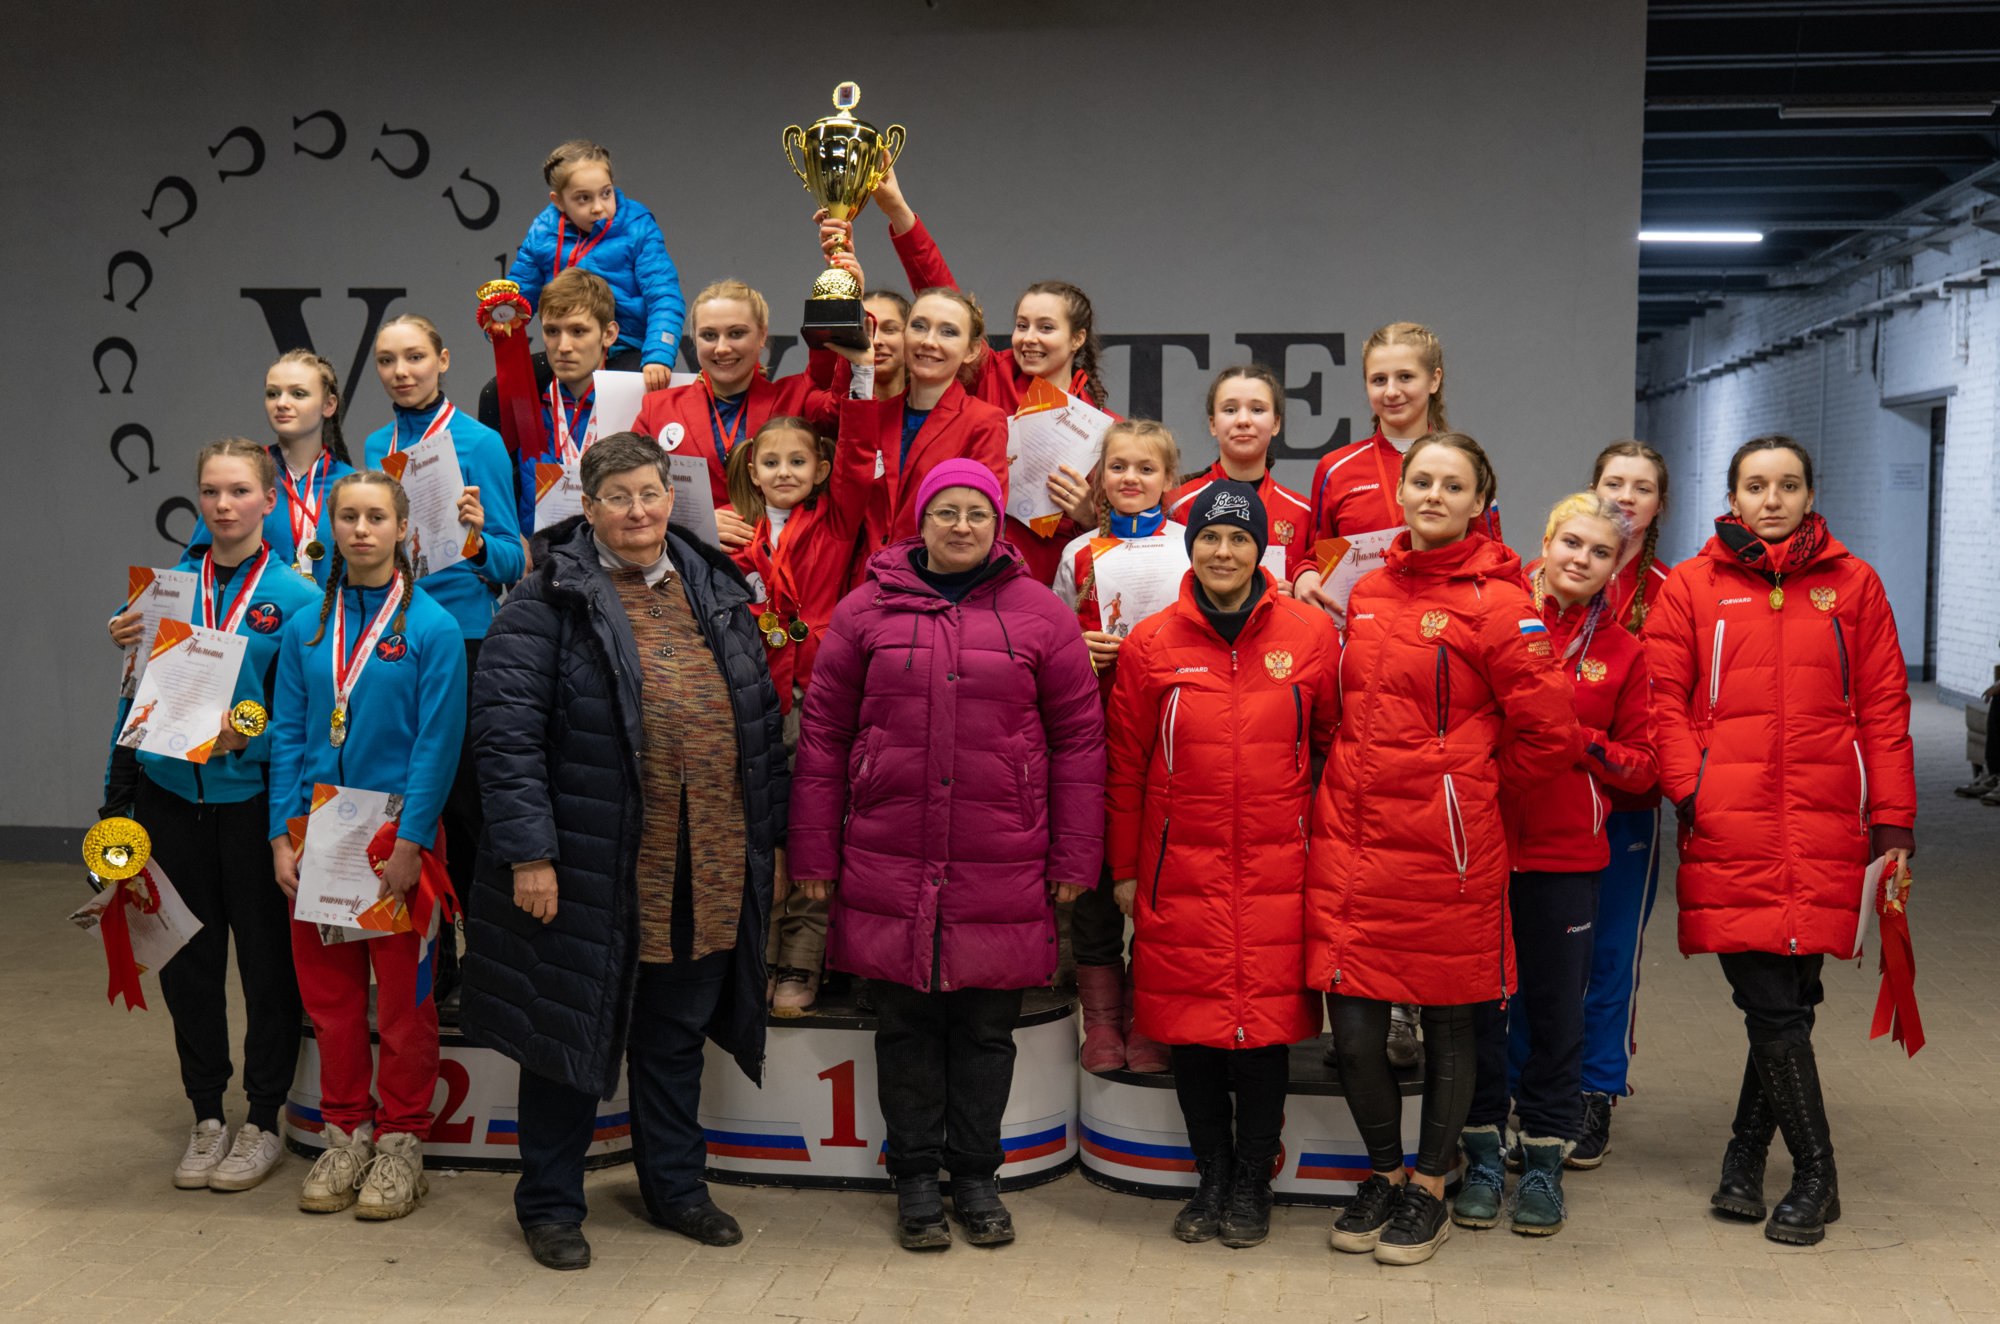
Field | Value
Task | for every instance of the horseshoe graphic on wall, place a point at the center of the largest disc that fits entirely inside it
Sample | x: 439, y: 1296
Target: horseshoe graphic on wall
x: 339, y: 135
x: 167, y: 508
x: 124, y: 434
x: 114, y: 345
x: 248, y: 135
x: 485, y: 218
x: 180, y: 186
x: 128, y: 258
x: 417, y: 165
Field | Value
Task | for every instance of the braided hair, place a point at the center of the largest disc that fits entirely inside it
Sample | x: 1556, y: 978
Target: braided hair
x: 1635, y: 620
x: 336, y: 571
x: 1082, y: 317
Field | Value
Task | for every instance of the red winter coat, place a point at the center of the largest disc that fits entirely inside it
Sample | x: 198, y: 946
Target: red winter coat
x: 951, y: 762
x: 1790, y: 728
x: 958, y: 426
x: 1450, y: 691
x: 1557, y: 826
x: 1354, y: 491
x: 1209, y: 788
x: 805, y: 578
x: 691, y: 409
x: 1288, y: 514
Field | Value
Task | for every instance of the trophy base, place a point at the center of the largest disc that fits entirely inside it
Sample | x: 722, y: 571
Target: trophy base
x: 834, y: 322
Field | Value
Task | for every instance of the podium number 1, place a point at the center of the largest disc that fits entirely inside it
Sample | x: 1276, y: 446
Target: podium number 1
x: 841, y: 1077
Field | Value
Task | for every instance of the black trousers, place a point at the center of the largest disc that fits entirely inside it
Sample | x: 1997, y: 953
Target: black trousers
x: 1097, y: 927
x: 944, y: 1065
x: 218, y: 857
x: 1554, y: 917
x: 1204, y: 1080
x: 1361, y: 1038
x: 1776, y: 993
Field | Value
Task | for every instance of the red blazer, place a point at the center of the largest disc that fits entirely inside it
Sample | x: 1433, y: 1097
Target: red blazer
x: 1449, y: 692
x: 1207, y: 794
x: 1288, y: 513
x: 1789, y: 727
x: 958, y: 426
x: 806, y: 577
x: 689, y: 408
x: 1557, y: 826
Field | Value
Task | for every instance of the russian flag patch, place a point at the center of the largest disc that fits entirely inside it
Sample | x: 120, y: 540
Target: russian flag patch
x: 1533, y: 627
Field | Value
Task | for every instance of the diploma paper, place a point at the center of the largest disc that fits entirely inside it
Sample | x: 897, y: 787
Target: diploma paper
x: 558, y: 493
x: 1365, y: 552
x: 155, y: 937
x: 1274, y: 561
x: 1135, y: 579
x: 1052, y: 428
x: 1865, y: 914
x: 187, y: 690
x: 336, y: 881
x: 433, y: 481
x: 694, y: 499
x: 157, y: 595
x: 618, y: 396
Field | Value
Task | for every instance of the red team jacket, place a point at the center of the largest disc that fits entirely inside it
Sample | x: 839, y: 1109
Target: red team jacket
x: 1354, y: 491
x: 1290, y: 515
x: 958, y: 426
x: 690, y: 410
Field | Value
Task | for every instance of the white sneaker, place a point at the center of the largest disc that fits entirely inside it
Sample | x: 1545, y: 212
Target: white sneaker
x: 251, y: 1157
x: 207, y: 1141
x: 336, y: 1176
x: 395, y: 1179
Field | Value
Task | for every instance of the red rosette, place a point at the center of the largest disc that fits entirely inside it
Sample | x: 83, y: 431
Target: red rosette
x: 503, y: 310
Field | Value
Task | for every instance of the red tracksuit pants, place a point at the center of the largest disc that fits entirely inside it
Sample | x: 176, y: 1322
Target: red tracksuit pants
x: 333, y: 985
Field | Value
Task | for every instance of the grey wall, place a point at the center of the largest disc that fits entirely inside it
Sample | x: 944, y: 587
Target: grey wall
x: 1303, y: 168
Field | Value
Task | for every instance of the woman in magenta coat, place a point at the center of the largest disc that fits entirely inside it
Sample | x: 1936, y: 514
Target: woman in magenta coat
x: 949, y: 791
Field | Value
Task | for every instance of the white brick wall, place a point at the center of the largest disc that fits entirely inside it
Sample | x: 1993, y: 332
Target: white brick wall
x: 1861, y: 403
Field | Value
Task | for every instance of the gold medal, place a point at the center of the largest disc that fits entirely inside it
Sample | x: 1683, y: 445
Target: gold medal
x: 1777, y: 599
x: 776, y: 638
x: 798, y: 630
x: 314, y: 549
x: 769, y: 621
x: 248, y: 718
x: 338, y: 735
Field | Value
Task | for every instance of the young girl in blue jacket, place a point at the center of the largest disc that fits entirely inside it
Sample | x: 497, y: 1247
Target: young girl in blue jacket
x: 207, y: 824
x: 370, y: 695
x: 590, y: 224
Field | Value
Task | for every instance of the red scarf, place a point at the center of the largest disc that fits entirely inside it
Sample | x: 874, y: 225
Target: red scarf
x: 1774, y: 559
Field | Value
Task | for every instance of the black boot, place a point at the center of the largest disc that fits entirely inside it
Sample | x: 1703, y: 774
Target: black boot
x: 920, y: 1221
x: 1740, y: 1194
x: 1790, y: 1076
x: 975, y: 1202
x: 1200, y: 1219
x: 1246, y: 1213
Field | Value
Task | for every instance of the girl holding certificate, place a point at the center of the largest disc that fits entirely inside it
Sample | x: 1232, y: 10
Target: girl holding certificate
x: 370, y: 695
x: 1450, y: 692
x: 1783, y: 709
x: 1138, y: 460
x: 1246, y: 409
x: 207, y: 823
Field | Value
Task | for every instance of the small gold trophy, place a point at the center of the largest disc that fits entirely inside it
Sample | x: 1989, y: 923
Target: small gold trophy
x: 116, y: 849
x: 845, y: 158
x: 248, y: 719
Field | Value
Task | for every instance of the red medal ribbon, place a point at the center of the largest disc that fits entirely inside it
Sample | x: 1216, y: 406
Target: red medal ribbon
x: 716, y: 431
x: 437, y: 425
x: 302, y: 507
x: 347, y: 674
x: 116, y: 930
x: 567, y: 447
x: 1383, y: 487
x: 582, y: 249
x: 1896, y: 1004
x: 241, y: 603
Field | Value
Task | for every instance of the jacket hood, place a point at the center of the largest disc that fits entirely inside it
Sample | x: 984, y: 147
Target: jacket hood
x: 900, y: 584
x: 1475, y: 556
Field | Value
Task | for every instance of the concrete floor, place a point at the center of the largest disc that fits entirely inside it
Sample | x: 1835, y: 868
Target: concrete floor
x: 90, y: 1226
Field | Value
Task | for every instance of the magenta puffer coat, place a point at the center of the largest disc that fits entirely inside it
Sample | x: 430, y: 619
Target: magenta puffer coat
x: 950, y: 765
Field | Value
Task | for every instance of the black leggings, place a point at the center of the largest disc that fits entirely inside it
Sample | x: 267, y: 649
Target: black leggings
x: 1361, y: 1037
x: 1249, y: 1127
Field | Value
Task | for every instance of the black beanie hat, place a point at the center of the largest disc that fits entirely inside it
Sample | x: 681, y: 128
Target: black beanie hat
x: 1234, y: 503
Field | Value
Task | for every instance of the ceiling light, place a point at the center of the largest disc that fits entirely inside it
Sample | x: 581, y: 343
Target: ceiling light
x: 1700, y: 237
x: 1886, y: 110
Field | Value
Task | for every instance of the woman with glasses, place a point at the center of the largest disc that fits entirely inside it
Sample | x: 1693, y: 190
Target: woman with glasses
x: 950, y: 792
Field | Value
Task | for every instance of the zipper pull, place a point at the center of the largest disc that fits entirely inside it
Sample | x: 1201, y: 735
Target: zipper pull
x: 1239, y: 1034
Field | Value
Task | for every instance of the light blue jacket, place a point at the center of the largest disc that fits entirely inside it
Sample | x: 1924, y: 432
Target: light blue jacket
x: 632, y: 257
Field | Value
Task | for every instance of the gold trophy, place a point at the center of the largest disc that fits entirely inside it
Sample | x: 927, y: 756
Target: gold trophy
x: 116, y: 849
x: 248, y: 719
x: 845, y: 158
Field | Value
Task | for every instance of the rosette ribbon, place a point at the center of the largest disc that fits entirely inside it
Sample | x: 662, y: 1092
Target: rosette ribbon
x: 1896, y: 1003
x: 140, y: 893
x: 503, y: 317
x: 431, y: 904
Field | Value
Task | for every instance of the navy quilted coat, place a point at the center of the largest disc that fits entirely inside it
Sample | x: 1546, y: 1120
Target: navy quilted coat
x: 556, y: 729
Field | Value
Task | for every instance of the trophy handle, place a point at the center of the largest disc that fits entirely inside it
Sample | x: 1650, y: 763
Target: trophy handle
x: 894, y: 136
x: 794, y: 132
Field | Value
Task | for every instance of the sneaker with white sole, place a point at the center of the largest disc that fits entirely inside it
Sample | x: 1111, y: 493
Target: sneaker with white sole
x: 208, y: 1141
x: 251, y: 1157
x: 395, y: 1180
x: 331, y: 1185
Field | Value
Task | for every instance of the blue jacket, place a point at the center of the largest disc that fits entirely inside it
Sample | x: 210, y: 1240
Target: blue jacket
x: 405, y: 719
x: 278, y: 524
x: 238, y: 775
x: 468, y: 590
x: 632, y: 258
x: 557, y: 730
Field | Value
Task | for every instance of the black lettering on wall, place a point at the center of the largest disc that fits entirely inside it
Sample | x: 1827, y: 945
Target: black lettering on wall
x: 1270, y: 348
x: 1145, y: 376
x: 128, y: 258
x: 248, y: 135
x: 339, y: 135
x: 177, y: 185
x: 485, y: 218
x: 285, y: 315
x: 125, y: 434
x: 418, y: 163
x: 114, y: 345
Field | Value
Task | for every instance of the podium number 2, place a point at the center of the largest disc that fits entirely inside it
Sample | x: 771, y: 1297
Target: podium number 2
x: 457, y: 1083
x: 841, y: 1077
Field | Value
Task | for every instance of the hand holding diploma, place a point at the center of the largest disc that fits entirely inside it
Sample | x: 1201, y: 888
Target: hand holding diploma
x: 472, y: 518
x: 401, y: 870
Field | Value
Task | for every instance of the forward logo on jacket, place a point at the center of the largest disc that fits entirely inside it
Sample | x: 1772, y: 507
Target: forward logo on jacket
x: 1824, y: 598
x: 1433, y: 623
x: 1279, y: 663
x: 1591, y: 669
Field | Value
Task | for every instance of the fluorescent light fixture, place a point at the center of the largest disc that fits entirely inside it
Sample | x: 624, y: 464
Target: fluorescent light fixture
x: 1887, y: 110
x: 1700, y: 237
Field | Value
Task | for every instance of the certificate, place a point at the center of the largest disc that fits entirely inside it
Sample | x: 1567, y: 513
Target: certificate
x: 1351, y: 558
x: 338, y: 884
x: 189, y: 685
x: 617, y: 397
x: 1273, y: 560
x: 156, y: 935
x: 1052, y: 428
x: 1135, y: 579
x: 694, y: 499
x: 157, y: 595
x: 432, y: 480
x: 558, y: 493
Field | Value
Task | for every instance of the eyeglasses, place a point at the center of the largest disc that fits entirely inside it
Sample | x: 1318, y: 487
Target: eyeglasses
x: 949, y: 516
x: 621, y: 503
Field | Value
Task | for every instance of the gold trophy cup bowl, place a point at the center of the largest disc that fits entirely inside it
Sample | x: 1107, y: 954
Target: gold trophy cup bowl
x: 840, y: 160
x: 248, y: 719
x: 116, y: 849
